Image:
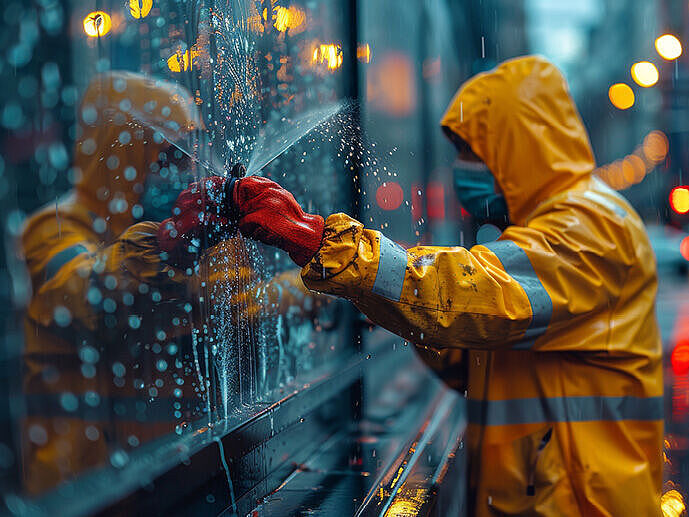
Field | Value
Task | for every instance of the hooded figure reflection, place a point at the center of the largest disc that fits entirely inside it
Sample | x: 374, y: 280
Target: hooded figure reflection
x: 108, y: 361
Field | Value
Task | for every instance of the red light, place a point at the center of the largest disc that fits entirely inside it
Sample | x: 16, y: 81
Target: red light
x: 680, y: 358
x: 436, y: 200
x: 684, y: 248
x: 679, y: 199
x: 416, y: 202
x: 389, y: 195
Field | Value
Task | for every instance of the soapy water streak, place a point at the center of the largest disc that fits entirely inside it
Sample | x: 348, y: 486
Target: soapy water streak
x: 273, y: 139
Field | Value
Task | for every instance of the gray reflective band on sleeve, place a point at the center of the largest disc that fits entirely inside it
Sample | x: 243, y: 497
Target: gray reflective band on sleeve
x: 61, y: 258
x: 564, y: 409
x: 392, y: 266
x: 518, y: 266
x: 597, y: 198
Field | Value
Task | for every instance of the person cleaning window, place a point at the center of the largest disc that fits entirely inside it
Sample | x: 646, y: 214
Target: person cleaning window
x: 551, y: 329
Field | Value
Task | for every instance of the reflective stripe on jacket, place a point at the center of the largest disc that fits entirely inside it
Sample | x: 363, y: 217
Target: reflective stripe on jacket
x: 556, y: 318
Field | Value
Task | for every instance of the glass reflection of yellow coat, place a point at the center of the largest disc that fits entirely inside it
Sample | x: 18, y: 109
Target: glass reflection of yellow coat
x: 553, y: 324
x: 106, y: 310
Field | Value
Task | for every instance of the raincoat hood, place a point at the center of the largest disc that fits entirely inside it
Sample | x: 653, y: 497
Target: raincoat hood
x: 118, y: 145
x: 521, y: 121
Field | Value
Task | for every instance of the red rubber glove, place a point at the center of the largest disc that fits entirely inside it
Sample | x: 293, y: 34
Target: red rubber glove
x: 270, y: 214
x: 200, y: 218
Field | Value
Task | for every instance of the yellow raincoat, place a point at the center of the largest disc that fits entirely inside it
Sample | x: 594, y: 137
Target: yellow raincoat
x: 105, y: 308
x: 552, y: 327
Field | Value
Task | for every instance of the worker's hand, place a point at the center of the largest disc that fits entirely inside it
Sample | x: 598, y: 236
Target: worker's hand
x: 200, y: 219
x: 270, y: 214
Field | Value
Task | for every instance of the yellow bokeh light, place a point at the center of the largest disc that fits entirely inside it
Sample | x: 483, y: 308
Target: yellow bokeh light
x: 621, y: 96
x: 672, y: 504
x: 669, y: 47
x: 140, y: 8
x: 679, y: 200
x: 287, y: 18
x: 97, y: 23
x: 181, y: 61
x: 328, y: 54
x: 644, y: 73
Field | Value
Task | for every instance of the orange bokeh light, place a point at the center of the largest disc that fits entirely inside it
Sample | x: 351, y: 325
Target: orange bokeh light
x: 684, y: 248
x: 621, y: 96
x: 390, y: 84
x: 633, y: 169
x: 655, y: 146
x: 363, y: 53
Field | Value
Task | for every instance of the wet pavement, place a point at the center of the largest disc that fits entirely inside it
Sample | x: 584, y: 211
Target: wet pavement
x: 394, y: 461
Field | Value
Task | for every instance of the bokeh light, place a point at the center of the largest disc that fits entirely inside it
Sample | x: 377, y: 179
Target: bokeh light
x: 389, y: 195
x: 633, y: 168
x: 679, y: 199
x: 288, y: 18
x: 645, y: 73
x: 672, y: 504
x: 680, y: 358
x: 391, y: 84
x: 363, y: 53
x: 182, y: 61
x: 655, y: 146
x: 140, y: 8
x: 621, y: 96
x: 684, y: 248
x: 328, y: 54
x: 97, y: 24
x: 668, y: 47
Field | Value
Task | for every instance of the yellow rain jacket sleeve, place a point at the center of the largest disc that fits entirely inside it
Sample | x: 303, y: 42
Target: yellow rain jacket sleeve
x: 488, y: 297
x: 551, y: 329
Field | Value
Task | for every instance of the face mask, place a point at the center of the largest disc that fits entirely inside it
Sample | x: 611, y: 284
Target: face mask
x: 161, y: 189
x: 475, y: 188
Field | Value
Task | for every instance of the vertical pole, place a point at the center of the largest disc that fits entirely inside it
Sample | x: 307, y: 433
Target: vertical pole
x: 426, y: 126
x: 352, y: 91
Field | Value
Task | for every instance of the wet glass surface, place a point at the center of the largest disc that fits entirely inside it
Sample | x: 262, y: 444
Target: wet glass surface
x: 123, y: 342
